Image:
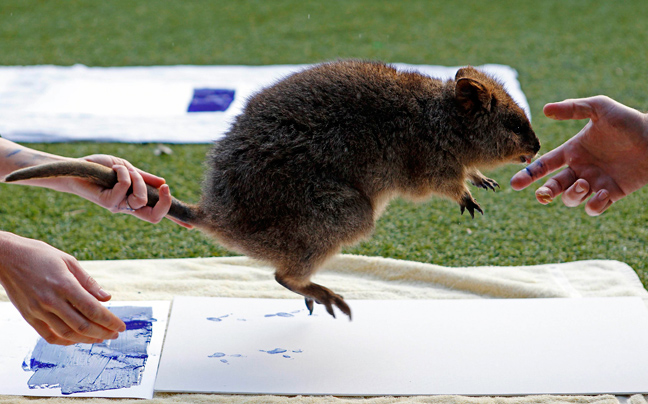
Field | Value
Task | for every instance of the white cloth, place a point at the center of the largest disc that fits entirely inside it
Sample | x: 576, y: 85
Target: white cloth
x: 147, y: 104
x: 358, y: 277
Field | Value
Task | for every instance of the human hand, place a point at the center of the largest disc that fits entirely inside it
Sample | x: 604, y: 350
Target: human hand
x: 54, y: 294
x: 607, y: 158
x: 116, y: 199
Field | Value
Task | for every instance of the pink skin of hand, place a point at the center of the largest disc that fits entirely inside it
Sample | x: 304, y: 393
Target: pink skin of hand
x: 608, y: 158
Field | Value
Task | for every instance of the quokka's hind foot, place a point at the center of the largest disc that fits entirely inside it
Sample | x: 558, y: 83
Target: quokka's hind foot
x: 314, y: 293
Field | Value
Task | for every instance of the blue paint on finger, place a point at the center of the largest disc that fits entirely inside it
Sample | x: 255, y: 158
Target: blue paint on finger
x: 535, y: 169
x: 112, y: 364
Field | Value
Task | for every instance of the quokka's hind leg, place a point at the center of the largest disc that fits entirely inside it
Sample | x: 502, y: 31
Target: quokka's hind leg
x: 313, y: 292
x: 339, y: 215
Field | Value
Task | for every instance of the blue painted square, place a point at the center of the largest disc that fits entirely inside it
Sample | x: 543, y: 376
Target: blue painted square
x: 210, y: 100
x: 80, y: 368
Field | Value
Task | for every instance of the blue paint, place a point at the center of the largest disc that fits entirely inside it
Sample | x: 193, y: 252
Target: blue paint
x: 535, y: 168
x: 217, y: 319
x: 222, y: 355
x: 281, y: 351
x: 210, y: 100
x: 280, y: 314
x: 112, y: 364
x: 12, y: 153
x: 274, y: 351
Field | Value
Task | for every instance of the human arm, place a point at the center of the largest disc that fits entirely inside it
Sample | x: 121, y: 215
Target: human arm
x: 608, y: 158
x: 14, y: 157
x: 53, y: 293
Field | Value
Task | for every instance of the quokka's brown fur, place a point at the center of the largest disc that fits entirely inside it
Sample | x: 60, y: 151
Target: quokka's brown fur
x: 313, y: 160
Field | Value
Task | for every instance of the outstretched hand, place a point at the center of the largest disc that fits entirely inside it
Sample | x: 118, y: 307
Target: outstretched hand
x: 54, y: 294
x: 608, y: 158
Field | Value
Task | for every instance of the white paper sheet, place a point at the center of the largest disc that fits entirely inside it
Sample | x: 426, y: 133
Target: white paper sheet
x: 18, y: 339
x: 469, y: 347
x: 147, y: 103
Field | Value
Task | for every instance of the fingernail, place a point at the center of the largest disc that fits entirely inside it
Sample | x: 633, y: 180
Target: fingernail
x: 103, y: 294
x: 604, y: 194
x: 579, y: 188
x: 544, y: 195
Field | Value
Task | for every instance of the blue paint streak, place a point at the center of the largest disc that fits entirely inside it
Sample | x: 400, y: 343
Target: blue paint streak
x: 217, y: 319
x: 280, y: 314
x: 275, y: 351
x: 222, y: 355
x: 112, y: 364
x: 12, y: 153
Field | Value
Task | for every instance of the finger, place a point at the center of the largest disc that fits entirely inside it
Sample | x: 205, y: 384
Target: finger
x: 161, y: 208
x: 46, y: 332
x: 138, y: 198
x: 598, y: 203
x: 119, y: 191
x: 152, y: 180
x: 68, y: 332
x: 577, y: 193
x: 555, y: 186
x: 581, y: 108
x: 87, y: 305
x: 543, y: 166
x: 88, y: 282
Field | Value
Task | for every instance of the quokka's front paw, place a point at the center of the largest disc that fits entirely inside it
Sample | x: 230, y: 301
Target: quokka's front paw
x: 485, y: 182
x: 467, y: 202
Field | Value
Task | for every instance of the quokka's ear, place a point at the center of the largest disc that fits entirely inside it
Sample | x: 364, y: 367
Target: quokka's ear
x: 471, y: 94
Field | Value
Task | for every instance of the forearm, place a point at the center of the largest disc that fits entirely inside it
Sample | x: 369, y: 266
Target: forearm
x: 14, y: 156
x: 8, y: 243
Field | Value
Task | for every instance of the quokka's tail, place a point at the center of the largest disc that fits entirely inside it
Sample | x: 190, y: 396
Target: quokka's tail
x: 104, y: 177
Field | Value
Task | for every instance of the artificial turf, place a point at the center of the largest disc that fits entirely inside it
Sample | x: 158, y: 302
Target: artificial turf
x: 561, y: 49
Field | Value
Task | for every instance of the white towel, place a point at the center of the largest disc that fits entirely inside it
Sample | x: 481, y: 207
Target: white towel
x: 149, y: 104
x: 358, y: 277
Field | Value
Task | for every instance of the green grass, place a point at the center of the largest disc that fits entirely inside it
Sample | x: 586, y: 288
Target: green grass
x: 561, y: 49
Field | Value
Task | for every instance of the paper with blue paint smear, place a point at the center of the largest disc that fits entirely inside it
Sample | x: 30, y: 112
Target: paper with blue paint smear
x: 407, y: 347
x: 125, y: 367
